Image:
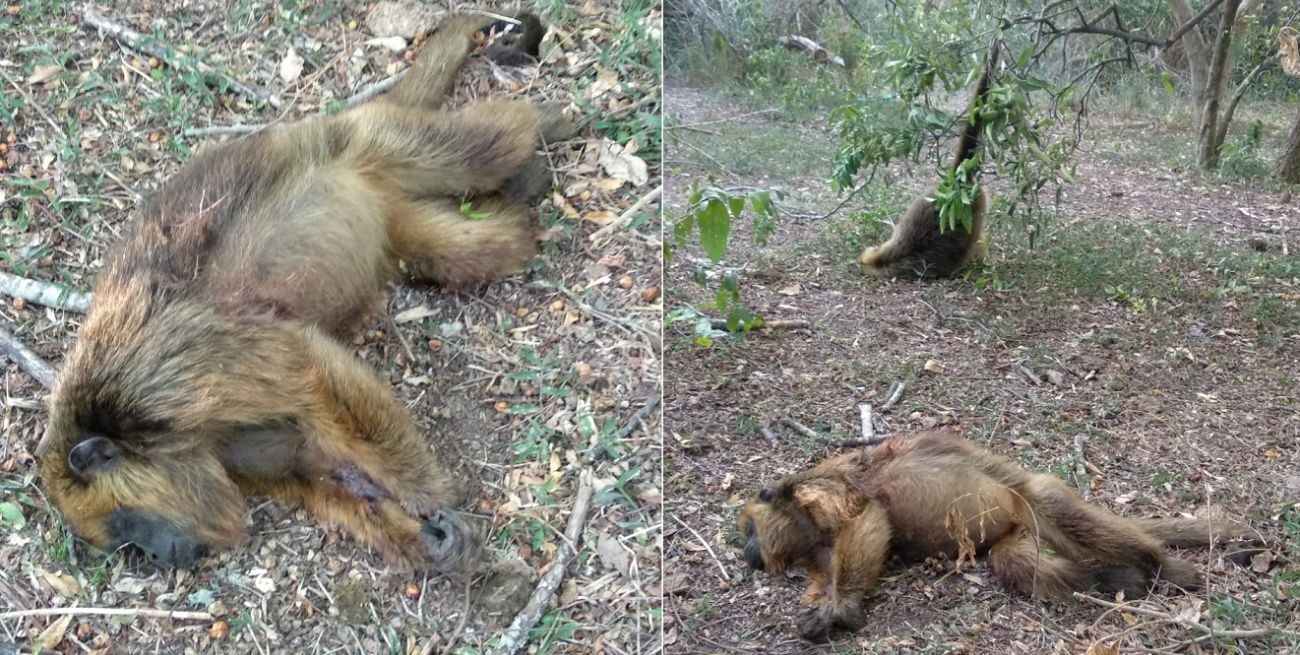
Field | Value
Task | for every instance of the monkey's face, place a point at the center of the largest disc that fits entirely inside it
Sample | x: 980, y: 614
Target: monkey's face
x: 175, y: 506
x: 778, y: 533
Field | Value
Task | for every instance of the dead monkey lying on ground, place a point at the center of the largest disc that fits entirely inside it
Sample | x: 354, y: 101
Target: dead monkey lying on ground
x: 211, y: 363
x: 936, y: 494
x: 918, y: 248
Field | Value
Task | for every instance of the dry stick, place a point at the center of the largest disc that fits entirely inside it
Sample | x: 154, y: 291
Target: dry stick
x: 1124, y: 607
x: 895, y: 393
x: 109, y: 611
x: 767, y: 434
x: 627, y: 216
x: 640, y: 416
x: 221, y: 130
x: 1030, y: 375
x: 374, y: 89
x: 516, y: 635
x: 868, y: 429
x: 800, y: 428
x: 43, y: 293
x: 27, y: 360
x: 721, y: 324
x: 1081, y: 468
x: 721, y: 569
x: 146, y: 45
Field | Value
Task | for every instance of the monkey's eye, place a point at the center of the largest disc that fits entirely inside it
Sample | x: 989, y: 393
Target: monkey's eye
x: 767, y: 494
x: 93, y: 455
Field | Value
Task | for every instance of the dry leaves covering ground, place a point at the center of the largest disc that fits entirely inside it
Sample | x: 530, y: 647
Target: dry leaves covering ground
x: 1180, y: 382
x: 526, y: 382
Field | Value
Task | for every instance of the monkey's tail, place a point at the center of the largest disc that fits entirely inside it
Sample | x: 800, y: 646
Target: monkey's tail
x: 973, y: 126
x: 430, y: 80
x: 1191, y: 533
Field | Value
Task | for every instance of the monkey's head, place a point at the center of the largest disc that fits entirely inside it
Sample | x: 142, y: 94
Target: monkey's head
x: 124, y: 465
x: 777, y: 530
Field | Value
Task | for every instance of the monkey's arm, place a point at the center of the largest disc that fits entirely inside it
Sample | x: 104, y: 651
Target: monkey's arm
x: 861, y: 548
x: 819, y: 567
x: 430, y: 80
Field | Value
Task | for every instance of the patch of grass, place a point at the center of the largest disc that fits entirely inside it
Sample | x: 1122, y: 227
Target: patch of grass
x: 757, y: 150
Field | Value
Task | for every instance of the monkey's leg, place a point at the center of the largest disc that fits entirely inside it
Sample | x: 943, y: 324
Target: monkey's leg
x: 1018, y: 562
x: 423, y: 154
x: 440, y: 243
x: 858, y: 557
x: 1082, y: 531
x: 430, y: 80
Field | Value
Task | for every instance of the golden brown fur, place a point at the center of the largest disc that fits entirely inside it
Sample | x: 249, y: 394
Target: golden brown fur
x: 211, y: 363
x: 936, y: 494
x: 917, y: 247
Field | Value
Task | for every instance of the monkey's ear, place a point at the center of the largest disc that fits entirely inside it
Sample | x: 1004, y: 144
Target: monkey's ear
x: 94, y: 454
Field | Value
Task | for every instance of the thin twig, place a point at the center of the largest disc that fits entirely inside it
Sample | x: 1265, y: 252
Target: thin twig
x: 627, y: 216
x: 222, y: 130
x: 109, y: 611
x: 1188, y: 623
x: 794, y: 324
x: 895, y: 393
x: 721, y: 569
x: 146, y: 45
x: 29, y: 361
x: 514, y: 637
x: 374, y: 89
x: 44, y: 293
x: 801, y: 428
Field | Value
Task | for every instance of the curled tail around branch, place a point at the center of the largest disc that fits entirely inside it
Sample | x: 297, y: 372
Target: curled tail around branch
x: 973, y: 127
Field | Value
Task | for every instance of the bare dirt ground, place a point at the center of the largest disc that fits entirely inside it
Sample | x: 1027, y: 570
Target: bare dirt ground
x: 1184, y: 401
x: 525, y: 383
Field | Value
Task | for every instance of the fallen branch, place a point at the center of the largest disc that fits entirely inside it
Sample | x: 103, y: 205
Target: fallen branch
x: 722, y: 570
x: 895, y: 393
x: 813, y: 49
x: 109, y: 611
x: 767, y: 434
x: 222, y: 130
x: 514, y: 637
x: 146, y: 45
x: 721, y: 324
x: 374, y: 89
x: 1170, y: 618
x: 1030, y: 375
x: 26, y: 359
x: 627, y: 216
x: 801, y: 428
x: 44, y: 293
x: 868, y: 428
x: 1081, y: 468
x: 640, y: 416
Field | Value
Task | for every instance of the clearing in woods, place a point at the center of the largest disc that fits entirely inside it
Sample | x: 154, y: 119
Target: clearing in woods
x: 1154, y: 324
x: 524, y: 383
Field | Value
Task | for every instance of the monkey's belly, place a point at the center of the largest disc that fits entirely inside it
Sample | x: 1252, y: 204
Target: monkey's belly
x: 938, y: 510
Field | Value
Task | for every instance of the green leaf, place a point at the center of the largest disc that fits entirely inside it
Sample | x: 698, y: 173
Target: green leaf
x: 467, y: 209
x: 715, y: 228
x: 11, y: 516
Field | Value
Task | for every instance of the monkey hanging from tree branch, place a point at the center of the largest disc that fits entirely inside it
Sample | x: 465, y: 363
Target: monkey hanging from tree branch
x: 936, y: 494
x: 924, y: 244
x: 213, y: 361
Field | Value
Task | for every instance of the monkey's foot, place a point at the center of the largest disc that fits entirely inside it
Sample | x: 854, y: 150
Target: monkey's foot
x: 1243, y: 551
x: 449, y: 545
x: 821, y: 624
x: 555, y: 125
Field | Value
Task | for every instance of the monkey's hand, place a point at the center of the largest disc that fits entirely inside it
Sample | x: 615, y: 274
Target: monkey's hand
x: 452, y: 545
x: 821, y: 624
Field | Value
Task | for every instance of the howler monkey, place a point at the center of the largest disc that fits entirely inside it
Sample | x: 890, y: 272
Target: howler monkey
x: 212, y: 362
x: 918, y: 247
x: 936, y: 494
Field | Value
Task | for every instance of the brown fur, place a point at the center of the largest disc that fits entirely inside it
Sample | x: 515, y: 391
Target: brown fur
x: 211, y: 363
x: 936, y: 494
x: 917, y: 247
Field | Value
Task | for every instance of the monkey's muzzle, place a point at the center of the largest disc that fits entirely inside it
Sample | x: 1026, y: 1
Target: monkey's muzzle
x: 162, y: 542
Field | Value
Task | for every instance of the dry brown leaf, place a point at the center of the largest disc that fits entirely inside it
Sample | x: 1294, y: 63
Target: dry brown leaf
x: 792, y: 290
x: 413, y: 314
x: 64, y: 584
x: 620, y: 163
x: 1100, y: 648
x: 933, y: 366
x: 601, y: 217
x: 613, y: 555
x: 52, y: 636
x: 43, y: 74
x: 291, y: 66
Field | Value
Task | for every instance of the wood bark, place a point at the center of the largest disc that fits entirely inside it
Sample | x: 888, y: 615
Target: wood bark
x: 1208, y: 135
x: 1288, y: 165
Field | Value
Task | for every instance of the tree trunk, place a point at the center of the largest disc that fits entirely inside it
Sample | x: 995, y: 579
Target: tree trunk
x: 1288, y: 165
x: 1198, y: 58
x: 1208, y: 136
